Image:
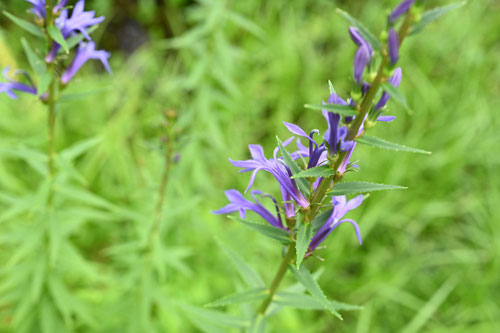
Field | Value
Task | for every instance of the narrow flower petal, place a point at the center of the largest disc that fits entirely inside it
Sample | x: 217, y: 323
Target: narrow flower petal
x: 393, y: 41
x: 395, y: 80
x: 84, y: 53
x: 400, y: 9
x: 361, y: 59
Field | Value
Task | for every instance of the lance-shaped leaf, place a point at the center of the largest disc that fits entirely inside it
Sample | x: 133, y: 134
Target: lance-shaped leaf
x: 301, y: 183
x: 212, y: 318
x: 370, y: 38
x: 45, y: 81
x: 361, y: 187
x: 396, y: 94
x: 57, y: 36
x: 313, y: 287
x: 343, y: 110
x: 241, y: 297
x: 319, y: 171
x: 306, y: 302
x: 381, y: 143
x: 37, y: 64
x: 74, y: 40
x: 258, y: 324
x: 267, y: 230
x: 330, y: 87
x: 433, y: 14
x: 29, y: 27
x: 304, y: 236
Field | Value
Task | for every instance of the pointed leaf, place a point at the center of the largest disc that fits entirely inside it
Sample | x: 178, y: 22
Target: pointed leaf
x: 258, y: 324
x: 58, y: 37
x: 241, y: 297
x: 306, y: 302
x: 302, y: 183
x: 319, y: 171
x: 313, y: 287
x: 331, y: 88
x: 74, y: 40
x: 247, y: 273
x: 265, y: 229
x: 381, y: 143
x: 304, y: 236
x: 396, y: 94
x: 45, y: 81
x: 361, y: 187
x: 343, y: 110
x: 433, y: 14
x: 29, y: 27
x: 213, y: 317
x: 37, y: 64
x: 367, y: 35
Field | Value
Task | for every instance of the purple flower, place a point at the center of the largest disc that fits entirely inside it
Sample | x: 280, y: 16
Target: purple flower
x: 363, y: 55
x: 239, y: 203
x: 275, y: 167
x: 11, y: 85
x: 395, y: 80
x: 85, y: 52
x: 39, y: 7
x: 401, y: 9
x: 79, y: 22
x: 340, y: 207
x: 314, y: 152
x: 393, y: 42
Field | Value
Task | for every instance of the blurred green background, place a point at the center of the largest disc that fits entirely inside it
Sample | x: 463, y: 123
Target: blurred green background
x: 233, y: 71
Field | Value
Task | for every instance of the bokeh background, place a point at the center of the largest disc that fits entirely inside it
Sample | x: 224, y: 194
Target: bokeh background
x: 233, y: 71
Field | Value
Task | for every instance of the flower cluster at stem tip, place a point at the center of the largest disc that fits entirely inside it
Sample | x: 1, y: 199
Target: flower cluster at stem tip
x: 333, y: 149
x: 77, y: 23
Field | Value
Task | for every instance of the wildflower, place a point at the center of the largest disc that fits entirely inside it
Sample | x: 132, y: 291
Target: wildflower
x: 393, y: 42
x: 395, y: 80
x: 275, y: 167
x: 39, y: 7
x: 85, y: 52
x: 400, y: 9
x: 239, y: 203
x: 11, y: 85
x: 79, y: 22
x: 363, y: 55
x: 340, y: 208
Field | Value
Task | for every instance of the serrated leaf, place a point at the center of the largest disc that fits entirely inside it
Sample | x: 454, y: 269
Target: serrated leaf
x: 313, y: 287
x: 29, y: 27
x: 267, y: 230
x: 361, y: 187
x: 396, y: 94
x: 306, y: 302
x: 58, y: 37
x: 381, y: 143
x: 319, y: 171
x: 343, y: 110
x: 247, y: 273
x: 301, y: 183
x: 37, y: 64
x: 433, y: 14
x: 213, y: 317
x: 241, y: 297
x: 367, y: 35
x: 45, y: 81
x: 304, y: 236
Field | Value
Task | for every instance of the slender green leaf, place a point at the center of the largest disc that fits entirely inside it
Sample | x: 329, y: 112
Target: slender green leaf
x: 304, y: 236
x: 258, y: 324
x: 77, y: 96
x: 433, y: 14
x: 247, y: 273
x: 330, y: 86
x: 305, y: 277
x: 302, y: 183
x: 74, y: 40
x: 267, y: 230
x: 361, y: 187
x: 396, y: 94
x: 241, y: 297
x: 343, y: 110
x: 367, y: 35
x: 29, y: 27
x: 213, y: 317
x: 381, y: 143
x: 319, y: 171
x: 45, y: 81
x: 57, y: 36
x: 306, y: 302
x: 37, y: 64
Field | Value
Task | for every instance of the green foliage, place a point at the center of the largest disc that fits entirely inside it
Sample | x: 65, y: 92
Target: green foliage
x: 343, y: 110
x: 302, y: 183
x: 57, y: 36
x: 27, y: 26
x: 431, y: 15
x: 361, y: 187
x: 384, y: 144
x: 304, y: 237
x: 319, y: 171
x: 267, y: 230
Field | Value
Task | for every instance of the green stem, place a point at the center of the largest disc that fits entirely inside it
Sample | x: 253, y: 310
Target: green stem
x: 290, y: 255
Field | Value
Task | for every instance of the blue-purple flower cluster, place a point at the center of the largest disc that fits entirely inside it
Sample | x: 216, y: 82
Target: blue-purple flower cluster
x: 79, y: 22
x: 333, y: 146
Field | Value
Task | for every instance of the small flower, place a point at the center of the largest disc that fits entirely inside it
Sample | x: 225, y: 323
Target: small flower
x: 395, y: 80
x: 39, y: 7
x: 85, y: 52
x: 400, y: 9
x: 340, y: 207
x: 79, y: 22
x: 363, y: 55
x: 11, y: 85
x: 393, y: 42
x: 239, y: 203
x: 275, y: 167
